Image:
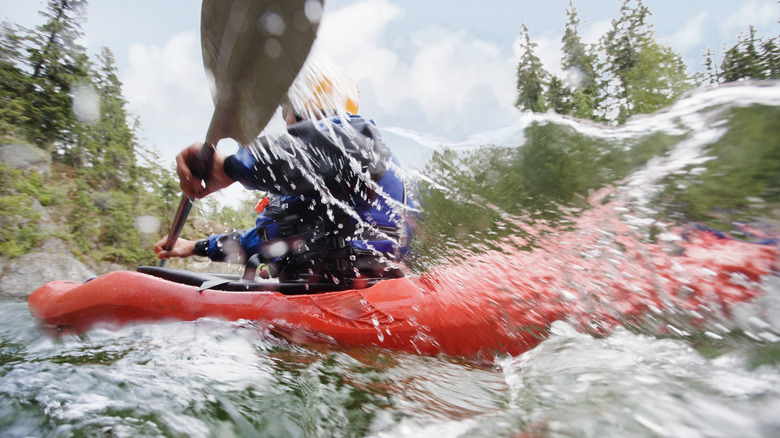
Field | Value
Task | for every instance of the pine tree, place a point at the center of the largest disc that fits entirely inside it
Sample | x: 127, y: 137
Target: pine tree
x: 44, y: 76
x: 751, y: 58
x: 711, y: 73
x: 742, y: 61
x: 13, y: 81
x: 106, y: 145
x: 531, y: 77
x: 56, y: 61
x: 559, y: 96
x: 579, y: 65
x: 640, y: 74
x: 771, y: 58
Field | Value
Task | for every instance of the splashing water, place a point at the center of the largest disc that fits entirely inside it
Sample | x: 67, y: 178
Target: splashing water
x: 654, y: 244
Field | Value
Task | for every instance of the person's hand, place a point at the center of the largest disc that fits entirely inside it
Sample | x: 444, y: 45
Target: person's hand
x: 191, y: 185
x: 182, y: 248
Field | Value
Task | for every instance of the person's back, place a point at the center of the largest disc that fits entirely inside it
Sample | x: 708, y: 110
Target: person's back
x: 336, y: 210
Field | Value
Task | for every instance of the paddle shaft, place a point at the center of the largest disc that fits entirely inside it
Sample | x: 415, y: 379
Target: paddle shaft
x: 199, y: 169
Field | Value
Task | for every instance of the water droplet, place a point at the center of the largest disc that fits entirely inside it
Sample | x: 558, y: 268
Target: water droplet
x: 272, y: 23
x: 313, y: 10
x: 147, y: 224
x: 86, y: 103
x: 272, y: 48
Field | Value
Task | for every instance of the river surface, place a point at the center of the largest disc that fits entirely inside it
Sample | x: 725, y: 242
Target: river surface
x: 711, y: 163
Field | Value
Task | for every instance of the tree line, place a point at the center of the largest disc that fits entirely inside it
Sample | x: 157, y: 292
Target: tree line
x: 505, y: 198
x: 628, y: 71
x: 55, y: 96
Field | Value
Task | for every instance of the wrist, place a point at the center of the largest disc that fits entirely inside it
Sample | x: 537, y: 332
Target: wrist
x: 220, y: 177
x: 201, y: 248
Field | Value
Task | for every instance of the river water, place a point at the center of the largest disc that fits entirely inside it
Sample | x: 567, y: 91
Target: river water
x: 711, y: 163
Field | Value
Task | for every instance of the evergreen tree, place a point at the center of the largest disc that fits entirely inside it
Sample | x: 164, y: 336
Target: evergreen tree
x: 711, y: 73
x: 658, y: 78
x: 13, y: 81
x: 559, y: 96
x: 579, y: 65
x: 771, y: 58
x: 742, y: 61
x: 45, y: 79
x: 106, y: 145
x: 56, y: 61
x: 640, y: 74
x: 531, y: 77
x: 751, y: 58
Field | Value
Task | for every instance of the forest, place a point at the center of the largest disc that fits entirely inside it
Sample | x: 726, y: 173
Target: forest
x: 628, y: 71
x: 102, y: 178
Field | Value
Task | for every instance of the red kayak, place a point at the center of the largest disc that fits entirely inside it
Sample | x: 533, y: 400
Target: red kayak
x: 400, y: 314
x: 496, y: 303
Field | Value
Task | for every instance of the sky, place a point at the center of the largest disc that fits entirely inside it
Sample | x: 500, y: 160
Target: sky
x: 443, y: 68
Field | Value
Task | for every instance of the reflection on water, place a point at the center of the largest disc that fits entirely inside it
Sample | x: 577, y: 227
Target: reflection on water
x: 602, y: 220
x: 714, y: 166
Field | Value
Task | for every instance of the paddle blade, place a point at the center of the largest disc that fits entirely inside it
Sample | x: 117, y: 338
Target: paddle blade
x: 252, y: 52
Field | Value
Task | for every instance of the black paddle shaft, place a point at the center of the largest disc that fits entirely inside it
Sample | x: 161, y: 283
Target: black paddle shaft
x: 200, y: 169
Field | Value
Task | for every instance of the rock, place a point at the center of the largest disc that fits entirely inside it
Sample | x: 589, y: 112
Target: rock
x: 23, y: 275
x: 25, y: 156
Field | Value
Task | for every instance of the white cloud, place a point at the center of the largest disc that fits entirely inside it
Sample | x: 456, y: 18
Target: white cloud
x: 759, y: 14
x: 159, y: 74
x: 691, y: 35
x: 433, y: 70
x: 449, y: 64
x: 167, y: 85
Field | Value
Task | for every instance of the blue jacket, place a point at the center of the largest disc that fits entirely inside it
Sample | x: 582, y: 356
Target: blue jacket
x: 339, y: 163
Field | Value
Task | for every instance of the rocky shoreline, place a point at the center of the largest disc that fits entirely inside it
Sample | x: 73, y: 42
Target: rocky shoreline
x: 52, y: 260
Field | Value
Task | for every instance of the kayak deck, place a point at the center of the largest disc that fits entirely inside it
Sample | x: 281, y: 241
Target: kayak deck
x: 234, y: 282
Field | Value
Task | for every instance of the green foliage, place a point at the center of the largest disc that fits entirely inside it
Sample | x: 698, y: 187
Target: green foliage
x: 741, y: 182
x: 228, y: 218
x: 495, y: 191
x: 579, y: 63
x: 55, y: 62
x: 637, y: 75
x: 19, y: 220
x: 531, y: 77
x: 751, y: 57
x: 640, y: 74
x: 109, y: 179
x: 13, y: 108
x: 657, y: 79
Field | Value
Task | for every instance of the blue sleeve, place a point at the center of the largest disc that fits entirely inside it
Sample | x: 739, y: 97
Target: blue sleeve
x: 240, y: 245
x: 340, y: 156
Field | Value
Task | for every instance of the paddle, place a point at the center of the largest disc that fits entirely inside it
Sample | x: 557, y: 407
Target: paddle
x: 252, y: 51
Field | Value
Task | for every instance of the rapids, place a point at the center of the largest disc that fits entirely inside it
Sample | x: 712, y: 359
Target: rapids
x: 630, y: 358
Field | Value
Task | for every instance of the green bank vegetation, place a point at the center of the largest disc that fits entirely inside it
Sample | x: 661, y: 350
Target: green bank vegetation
x: 102, y: 178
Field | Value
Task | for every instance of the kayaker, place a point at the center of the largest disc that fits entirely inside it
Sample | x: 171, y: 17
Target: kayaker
x: 335, y: 210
